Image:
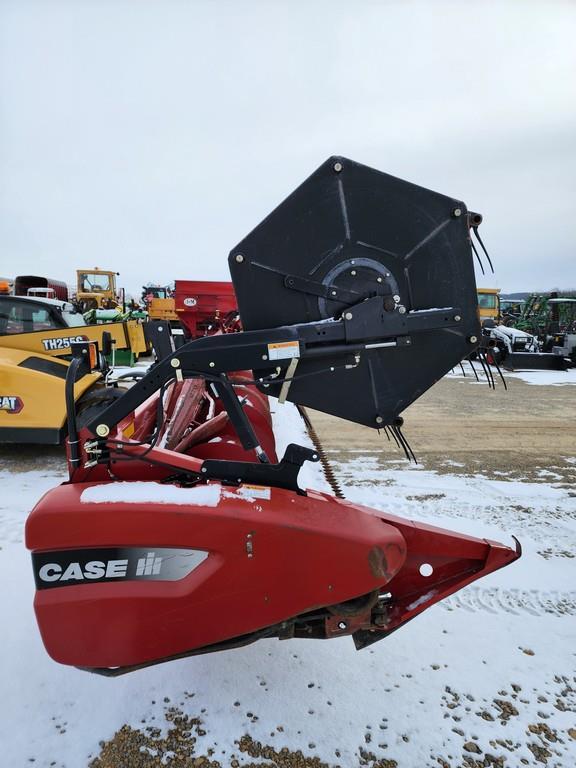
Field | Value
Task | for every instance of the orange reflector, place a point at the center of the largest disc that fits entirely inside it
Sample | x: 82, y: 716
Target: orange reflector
x: 93, y: 353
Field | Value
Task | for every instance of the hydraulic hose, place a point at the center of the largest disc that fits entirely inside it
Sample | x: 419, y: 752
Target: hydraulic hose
x: 71, y: 412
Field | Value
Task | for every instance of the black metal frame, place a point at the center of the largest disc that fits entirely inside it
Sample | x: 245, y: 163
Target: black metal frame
x: 335, y: 289
x: 367, y: 327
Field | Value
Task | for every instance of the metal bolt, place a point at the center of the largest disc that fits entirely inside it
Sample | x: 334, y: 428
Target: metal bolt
x: 342, y: 625
x: 333, y: 293
x: 160, y: 327
x: 348, y: 316
x: 396, y: 298
x: 175, y: 363
x: 352, y: 262
x: 264, y: 357
x: 337, y: 167
x: 472, y: 339
x: 379, y: 419
x: 211, y: 364
x: 408, y: 341
x: 457, y: 318
x: 457, y: 212
x: 239, y: 258
x: 204, y: 469
x: 402, y: 309
x: 378, y: 279
x: 353, y: 272
x: 102, y: 430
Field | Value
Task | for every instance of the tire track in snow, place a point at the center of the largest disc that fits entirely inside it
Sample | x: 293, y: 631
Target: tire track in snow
x: 518, y: 602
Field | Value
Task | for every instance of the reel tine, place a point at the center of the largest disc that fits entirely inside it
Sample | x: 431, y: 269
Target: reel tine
x: 484, y: 248
x: 489, y: 369
x: 407, y: 445
x: 501, y: 375
x: 462, y: 367
x: 398, y: 433
x: 474, y: 369
x: 483, y: 366
x: 393, y: 433
x: 477, y: 256
x: 482, y: 363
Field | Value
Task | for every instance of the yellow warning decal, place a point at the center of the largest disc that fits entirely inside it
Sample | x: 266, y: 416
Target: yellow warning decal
x: 283, y: 350
x: 255, y: 491
x: 129, y: 429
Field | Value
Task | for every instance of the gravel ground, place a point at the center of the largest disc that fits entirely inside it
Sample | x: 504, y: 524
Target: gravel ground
x: 461, y: 427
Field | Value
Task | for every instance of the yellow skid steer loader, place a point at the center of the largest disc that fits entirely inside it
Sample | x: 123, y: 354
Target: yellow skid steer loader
x: 35, y: 339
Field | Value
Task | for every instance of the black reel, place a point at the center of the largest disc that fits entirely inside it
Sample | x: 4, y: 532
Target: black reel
x: 350, y: 234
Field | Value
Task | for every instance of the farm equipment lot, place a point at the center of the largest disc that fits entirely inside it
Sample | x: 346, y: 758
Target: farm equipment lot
x: 486, y: 678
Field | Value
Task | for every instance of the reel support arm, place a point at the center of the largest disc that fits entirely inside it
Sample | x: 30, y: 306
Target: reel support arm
x: 366, y: 326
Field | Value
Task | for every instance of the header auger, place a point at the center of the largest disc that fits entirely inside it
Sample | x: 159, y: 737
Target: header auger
x: 180, y: 532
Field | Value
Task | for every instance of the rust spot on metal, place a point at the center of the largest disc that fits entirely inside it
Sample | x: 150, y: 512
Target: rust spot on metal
x: 377, y: 562
x: 395, y: 555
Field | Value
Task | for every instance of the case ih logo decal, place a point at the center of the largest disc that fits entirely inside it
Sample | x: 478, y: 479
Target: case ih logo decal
x: 89, y: 566
x: 11, y: 404
x: 62, y: 343
x: 149, y: 565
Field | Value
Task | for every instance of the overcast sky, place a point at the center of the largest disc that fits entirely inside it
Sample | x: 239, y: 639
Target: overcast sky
x: 151, y: 136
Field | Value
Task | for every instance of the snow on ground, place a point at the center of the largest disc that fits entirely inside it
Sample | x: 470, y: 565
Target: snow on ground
x: 491, y: 669
x: 553, y: 378
x: 544, y: 378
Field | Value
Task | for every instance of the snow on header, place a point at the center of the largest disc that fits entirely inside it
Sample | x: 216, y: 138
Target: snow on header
x: 140, y: 492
